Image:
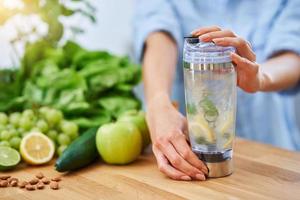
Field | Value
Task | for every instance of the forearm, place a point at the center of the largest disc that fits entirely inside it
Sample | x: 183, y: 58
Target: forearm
x: 159, y: 65
x: 280, y: 72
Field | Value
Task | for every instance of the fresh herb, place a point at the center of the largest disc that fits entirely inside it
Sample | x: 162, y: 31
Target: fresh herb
x: 191, y: 108
x: 210, y: 111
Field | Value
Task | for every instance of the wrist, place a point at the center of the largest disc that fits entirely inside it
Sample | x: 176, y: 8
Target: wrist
x: 158, y: 97
x: 264, y: 82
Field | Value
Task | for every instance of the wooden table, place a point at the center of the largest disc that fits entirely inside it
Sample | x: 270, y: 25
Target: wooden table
x: 262, y: 172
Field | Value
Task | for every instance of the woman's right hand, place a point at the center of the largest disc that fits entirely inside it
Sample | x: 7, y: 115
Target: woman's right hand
x: 168, y: 128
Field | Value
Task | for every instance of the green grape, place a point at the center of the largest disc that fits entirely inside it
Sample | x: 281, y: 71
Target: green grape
x: 61, y: 149
x: 28, y: 114
x: 4, y: 144
x: 14, y: 119
x: 52, y: 134
x: 53, y: 117
x: 24, y: 133
x: 44, y: 110
x: 63, y: 139
x: 35, y: 129
x: 42, y: 125
x: 13, y: 132
x: 20, y: 131
x: 69, y: 128
x: 25, y: 123
x: 3, y: 118
x: 74, y: 136
x: 9, y: 127
x: 15, y: 142
x: 6, y: 135
x: 2, y: 127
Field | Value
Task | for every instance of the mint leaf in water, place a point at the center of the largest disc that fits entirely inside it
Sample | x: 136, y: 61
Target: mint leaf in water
x: 210, y: 110
x: 191, y: 109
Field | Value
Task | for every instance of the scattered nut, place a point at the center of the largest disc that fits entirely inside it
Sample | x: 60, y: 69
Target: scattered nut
x: 30, y: 187
x: 34, y: 181
x: 54, y: 185
x: 40, y: 186
x: 4, y: 177
x: 10, y: 180
x: 56, y: 179
x: 14, y: 183
x: 3, y: 183
x: 22, y: 184
x: 40, y: 175
x: 45, y: 180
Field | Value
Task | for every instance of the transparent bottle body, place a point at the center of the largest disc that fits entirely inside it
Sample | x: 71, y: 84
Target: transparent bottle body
x: 210, y: 93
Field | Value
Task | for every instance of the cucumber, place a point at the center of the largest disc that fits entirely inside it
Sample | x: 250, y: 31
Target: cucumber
x: 80, y: 153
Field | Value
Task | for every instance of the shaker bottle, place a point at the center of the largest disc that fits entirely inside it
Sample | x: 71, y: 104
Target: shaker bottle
x: 210, y: 93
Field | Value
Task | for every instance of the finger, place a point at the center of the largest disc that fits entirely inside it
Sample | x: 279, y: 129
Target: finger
x: 207, y: 37
x: 247, y: 74
x: 204, y: 30
x: 186, y: 153
x: 244, y: 64
x: 243, y: 48
x: 167, y: 169
x: 179, y: 163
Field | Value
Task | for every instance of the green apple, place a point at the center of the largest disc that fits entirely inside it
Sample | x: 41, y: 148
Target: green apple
x: 119, y: 142
x: 138, y: 118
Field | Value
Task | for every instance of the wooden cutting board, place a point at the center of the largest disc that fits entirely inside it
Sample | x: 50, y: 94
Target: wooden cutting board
x: 261, y: 172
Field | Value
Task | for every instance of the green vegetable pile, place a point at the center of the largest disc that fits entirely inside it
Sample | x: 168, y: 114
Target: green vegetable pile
x: 89, y: 87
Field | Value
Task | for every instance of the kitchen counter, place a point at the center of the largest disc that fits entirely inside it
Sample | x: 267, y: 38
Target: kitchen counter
x: 261, y: 172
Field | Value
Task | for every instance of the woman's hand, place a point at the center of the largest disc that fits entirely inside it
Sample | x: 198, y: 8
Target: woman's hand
x: 170, y: 147
x: 249, y: 76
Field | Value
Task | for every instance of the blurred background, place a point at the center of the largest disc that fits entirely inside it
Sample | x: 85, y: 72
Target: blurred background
x: 111, y: 31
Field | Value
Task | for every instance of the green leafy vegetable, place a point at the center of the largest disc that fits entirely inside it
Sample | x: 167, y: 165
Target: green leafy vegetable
x: 89, y: 87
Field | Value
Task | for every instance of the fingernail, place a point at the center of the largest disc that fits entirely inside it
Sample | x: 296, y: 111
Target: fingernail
x: 200, y: 177
x: 205, y: 170
x: 203, y: 38
x: 186, y: 178
x: 218, y: 40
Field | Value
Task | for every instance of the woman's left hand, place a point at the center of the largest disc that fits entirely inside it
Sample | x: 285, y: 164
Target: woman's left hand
x: 249, y: 77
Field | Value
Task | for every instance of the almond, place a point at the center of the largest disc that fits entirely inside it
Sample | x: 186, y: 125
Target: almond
x: 40, y: 175
x: 14, y: 183
x: 4, y: 177
x: 40, y: 186
x: 54, y: 185
x: 3, y: 183
x: 56, y: 179
x: 30, y: 187
x: 34, y: 181
x: 45, y: 180
x: 22, y: 184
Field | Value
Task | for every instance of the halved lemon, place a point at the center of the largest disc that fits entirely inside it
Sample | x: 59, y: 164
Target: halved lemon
x: 200, y: 128
x: 36, y: 148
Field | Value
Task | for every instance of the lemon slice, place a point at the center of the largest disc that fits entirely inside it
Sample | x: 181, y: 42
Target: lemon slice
x: 226, y: 124
x: 225, y: 128
x: 228, y: 143
x: 36, y: 148
x: 199, y: 127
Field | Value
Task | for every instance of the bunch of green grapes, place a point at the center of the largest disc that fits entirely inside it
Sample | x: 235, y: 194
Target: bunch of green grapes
x: 49, y: 121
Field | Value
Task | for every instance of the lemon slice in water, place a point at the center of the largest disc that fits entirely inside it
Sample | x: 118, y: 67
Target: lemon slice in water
x: 200, y: 128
